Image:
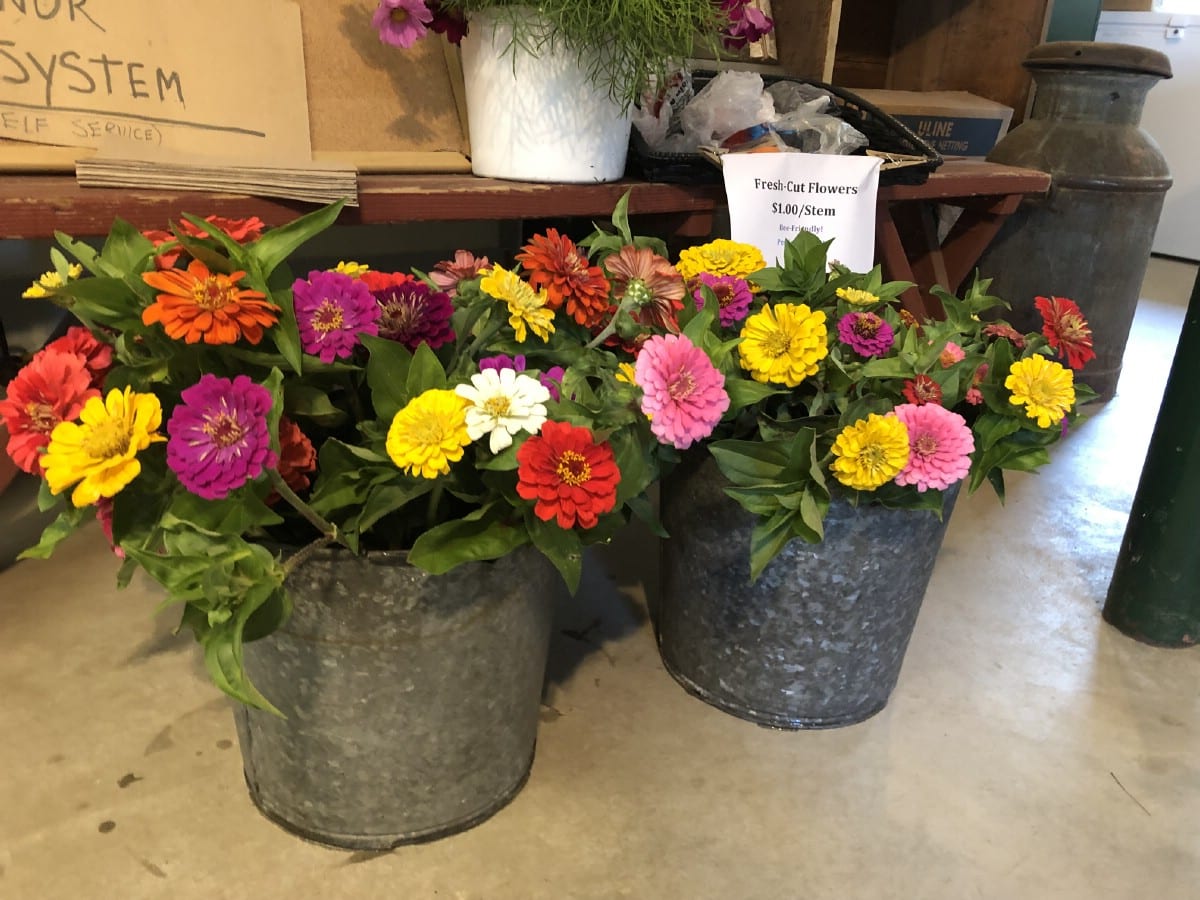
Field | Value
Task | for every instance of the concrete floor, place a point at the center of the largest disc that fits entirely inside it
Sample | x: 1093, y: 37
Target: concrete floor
x: 1030, y: 750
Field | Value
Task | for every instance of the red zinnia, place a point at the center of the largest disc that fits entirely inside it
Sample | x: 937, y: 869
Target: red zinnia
x: 241, y: 230
x: 922, y: 390
x: 51, y: 389
x: 571, y: 477
x: 554, y: 263
x: 297, y: 458
x: 1006, y: 331
x: 379, y: 281
x: 96, y: 355
x: 1066, y: 329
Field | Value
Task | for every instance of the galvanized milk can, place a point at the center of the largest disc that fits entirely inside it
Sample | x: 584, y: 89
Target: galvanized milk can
x: 1089, y: 239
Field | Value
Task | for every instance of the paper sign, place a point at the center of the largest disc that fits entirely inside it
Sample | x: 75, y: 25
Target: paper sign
x: 772, y: 196
x: 211, y: 77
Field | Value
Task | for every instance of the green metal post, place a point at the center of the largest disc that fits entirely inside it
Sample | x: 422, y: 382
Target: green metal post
x: 1154, y: 594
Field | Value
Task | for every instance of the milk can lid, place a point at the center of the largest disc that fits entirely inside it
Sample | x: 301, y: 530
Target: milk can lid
x: 1098, y: 55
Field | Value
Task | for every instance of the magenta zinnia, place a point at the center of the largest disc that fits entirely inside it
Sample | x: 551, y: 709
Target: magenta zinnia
x: 940, y: 446
x: 218, y: 436
x: 412, y: 313
x: 683, y: 394
x: 866, y: 333
x: 733, y: 296
x: 332, y: 309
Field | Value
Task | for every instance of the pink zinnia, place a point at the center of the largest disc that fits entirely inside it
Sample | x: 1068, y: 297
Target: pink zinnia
x: 940, y: 446
x: 733, y: 296
x: 52, y: 388
x: 332, y: 310
x: 682, y: 392
x: 219, y: 436
x: 866, y: 333
x: 449, y: 272
x: 951, y: 354
x: 401, y: 23
x: 413, y: 314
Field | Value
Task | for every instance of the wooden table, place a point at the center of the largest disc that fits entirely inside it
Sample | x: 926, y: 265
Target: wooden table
x: 35, y: 206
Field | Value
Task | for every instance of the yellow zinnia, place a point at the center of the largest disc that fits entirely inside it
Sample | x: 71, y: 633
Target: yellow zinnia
x: 783, y: 343
x: 49, y: 281
x: 1044, y: 386
x: 721, y: 257
x: 100, y: 451
x: 857, y: 297
x: 353, y: 269
x: 526, y: 307
x: 870, y: 452
x: 626, y: 373
x: 429, y: 434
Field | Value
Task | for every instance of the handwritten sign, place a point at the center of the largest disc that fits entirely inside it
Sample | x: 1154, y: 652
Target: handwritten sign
x: 772, y: 196
x: 209, y: 77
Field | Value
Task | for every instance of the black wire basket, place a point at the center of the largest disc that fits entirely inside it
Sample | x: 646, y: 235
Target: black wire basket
x: 907, y: 158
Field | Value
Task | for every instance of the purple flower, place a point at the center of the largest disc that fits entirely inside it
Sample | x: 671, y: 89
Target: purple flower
x: 413, y: 313
x: 866, y: 333
x: 551, y: 379
x: 517, y: 364
x: 332, y: 309
x: 733, y: 296
x: 746, y: 24
x: 401, y: 23
x: 218, y: 436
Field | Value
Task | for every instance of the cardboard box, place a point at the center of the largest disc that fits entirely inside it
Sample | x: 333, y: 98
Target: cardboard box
x: 954, y: 123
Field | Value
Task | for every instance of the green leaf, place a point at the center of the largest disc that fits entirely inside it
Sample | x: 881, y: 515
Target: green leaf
x: 744, y: 392
x: 891, y: 367
x: 270, y: 250
x: 274, y: 384
x: 384, y: 499
x: 630, y: 456
x: 425, y: 373
x: 748, y: 463
x: 309, y: 402
x: 641, y: 507
x: 990, y: 428
x: 45, y: 499
x: 66, y: 524
x: 562, y: 546
x: 84, y: 253
x: 767, y: 539
x: 126, y: 248
x: 223, y: 653
x: 812, y: 515
x: 238, y: 513
x: 387, y: 374
x: 450, y: 544
x: 286, y: 333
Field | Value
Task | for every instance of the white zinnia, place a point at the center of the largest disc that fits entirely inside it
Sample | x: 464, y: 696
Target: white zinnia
x: 503, y: 402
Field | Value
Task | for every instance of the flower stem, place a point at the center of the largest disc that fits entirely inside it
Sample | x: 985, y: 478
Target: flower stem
x: 297, y: 559
x: 327, y: 529
x: 625, y: 305
x: 435, y: 501
x: 486, y: 335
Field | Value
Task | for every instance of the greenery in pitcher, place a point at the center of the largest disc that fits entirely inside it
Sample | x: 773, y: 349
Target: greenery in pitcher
x: 640, y: 38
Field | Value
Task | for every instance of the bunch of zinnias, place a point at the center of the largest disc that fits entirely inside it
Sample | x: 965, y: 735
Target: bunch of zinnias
x: 213, y: 405
x: 804, y: 381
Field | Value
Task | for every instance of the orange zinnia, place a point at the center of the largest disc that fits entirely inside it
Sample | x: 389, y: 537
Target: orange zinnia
x: 554, y: 263
x: 199, y: 305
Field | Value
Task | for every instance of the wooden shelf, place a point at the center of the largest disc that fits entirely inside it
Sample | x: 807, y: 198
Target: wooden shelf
x: 35, y: 206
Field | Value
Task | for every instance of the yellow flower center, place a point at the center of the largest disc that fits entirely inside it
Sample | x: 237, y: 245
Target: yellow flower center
x: 399, y: 316
x: 638, y: 293
x: 212, y: 294
x: 496, y: 406
x: 41, y: 417
x: 873, y: 457
x: 925, y: 446
x: 866, y: 326
x: 107, y: 439
x: 328, y: 317
x: 573, y: 468
x: 1071, y: 328
x: 681, y: 386
x: 776, y: 344
x: 224, y: 430
x: 399, y: 15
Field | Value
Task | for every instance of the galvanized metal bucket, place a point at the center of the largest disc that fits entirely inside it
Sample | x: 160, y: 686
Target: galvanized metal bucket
x: 411, y: 699
x: 818, y: 640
